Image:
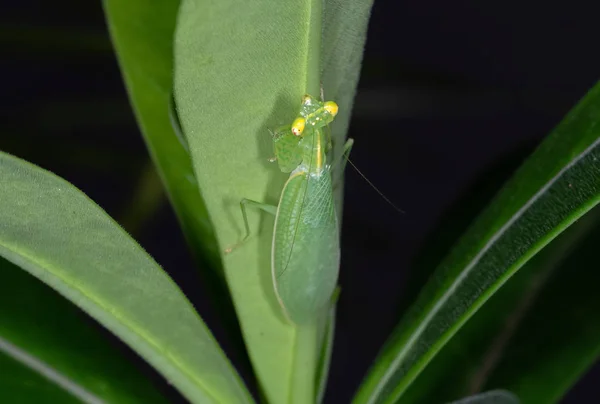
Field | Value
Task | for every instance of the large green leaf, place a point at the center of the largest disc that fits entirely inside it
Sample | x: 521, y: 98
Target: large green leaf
x: 241, y: 68
x: 142, y: 32
x: 53, y: 231
x: 557, y: 185
x: 45, y: 342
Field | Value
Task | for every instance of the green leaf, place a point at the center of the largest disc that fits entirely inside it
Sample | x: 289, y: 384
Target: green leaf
x: 45, y: 342
x: 556, y: 186
x: 456, y: 220
x: 326, y: 335
x: 53, y: 231
x: 325, y: 358
x: 559, y: 336
x: 142, y: 32
x: 240, y: 69
x: 525, y: 337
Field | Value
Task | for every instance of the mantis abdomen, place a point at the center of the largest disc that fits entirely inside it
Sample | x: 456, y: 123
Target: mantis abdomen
x: 306, y: 251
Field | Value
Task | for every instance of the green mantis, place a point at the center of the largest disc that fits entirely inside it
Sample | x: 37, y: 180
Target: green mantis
x: 305, y: 252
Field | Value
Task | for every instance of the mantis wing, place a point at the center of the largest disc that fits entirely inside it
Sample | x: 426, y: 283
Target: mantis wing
x: 306, y: 251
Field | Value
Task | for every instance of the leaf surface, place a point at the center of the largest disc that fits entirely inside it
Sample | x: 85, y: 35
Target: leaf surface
x: 241, y: 68
x: 142, y: 32
x: 53, y: 231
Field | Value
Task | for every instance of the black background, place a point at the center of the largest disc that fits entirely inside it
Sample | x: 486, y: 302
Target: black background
x: 449, y: 90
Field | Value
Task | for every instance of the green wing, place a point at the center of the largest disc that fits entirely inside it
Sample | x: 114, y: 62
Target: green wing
x: 306, y: 251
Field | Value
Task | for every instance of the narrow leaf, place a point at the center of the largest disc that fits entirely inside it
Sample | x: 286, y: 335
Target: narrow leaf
x: 559, y: 336
x: 53, y: 231
x: 326, y: 335
x: 525, y: 338
x: 556, y: 186
x: 142, y: 32
x: 47, y: 341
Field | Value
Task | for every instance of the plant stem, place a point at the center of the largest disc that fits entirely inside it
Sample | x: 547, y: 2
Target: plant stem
x: 304, y: 366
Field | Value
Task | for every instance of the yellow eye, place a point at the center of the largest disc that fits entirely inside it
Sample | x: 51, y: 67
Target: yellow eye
x: 298, y: 126
x: 331, y: 107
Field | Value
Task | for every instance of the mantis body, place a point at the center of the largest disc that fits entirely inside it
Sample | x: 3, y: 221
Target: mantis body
x: 305, y: 252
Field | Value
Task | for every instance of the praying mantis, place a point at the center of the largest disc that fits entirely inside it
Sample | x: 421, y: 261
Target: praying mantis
x: 305, y: 251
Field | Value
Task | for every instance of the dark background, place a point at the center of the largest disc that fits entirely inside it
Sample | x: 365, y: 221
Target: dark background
x: 448, y: 92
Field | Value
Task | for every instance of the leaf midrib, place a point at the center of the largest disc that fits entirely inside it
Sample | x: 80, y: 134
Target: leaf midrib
x: 48, y: 372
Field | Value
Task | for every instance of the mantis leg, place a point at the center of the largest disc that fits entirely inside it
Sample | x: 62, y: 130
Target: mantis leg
x: 274, y: 158
x: 343, y: 160
x: 345, y: 154
x: 259, y: 205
